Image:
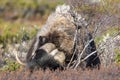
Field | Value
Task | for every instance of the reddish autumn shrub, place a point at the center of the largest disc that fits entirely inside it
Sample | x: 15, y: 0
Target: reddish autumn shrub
x: 110, y: 73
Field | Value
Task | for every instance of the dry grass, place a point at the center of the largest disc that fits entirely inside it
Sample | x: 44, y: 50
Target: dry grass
x: 110, y: 73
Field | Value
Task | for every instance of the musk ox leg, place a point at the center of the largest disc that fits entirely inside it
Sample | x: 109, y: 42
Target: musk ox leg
x: 93, y: 61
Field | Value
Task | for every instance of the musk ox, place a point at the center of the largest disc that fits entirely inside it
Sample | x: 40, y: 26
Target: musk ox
x: 59, y: 30
x: 47, y: 56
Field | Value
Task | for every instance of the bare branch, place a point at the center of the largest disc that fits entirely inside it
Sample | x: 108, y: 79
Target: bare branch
x: 97, y: 26
x: 80, y: 56
x: 88, y: 56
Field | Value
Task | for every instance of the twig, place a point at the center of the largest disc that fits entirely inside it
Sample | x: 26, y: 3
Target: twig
x: 80, y: 56
x: 97, y: 26
x: 74, y: 46
x: 88, y: 56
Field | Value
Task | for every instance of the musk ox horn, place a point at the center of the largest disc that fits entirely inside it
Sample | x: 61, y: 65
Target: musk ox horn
x: 47, y: 47
x: 18, y: 60
x: 49, y: 53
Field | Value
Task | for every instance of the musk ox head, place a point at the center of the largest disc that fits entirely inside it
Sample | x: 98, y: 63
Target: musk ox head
x: 47, y: 56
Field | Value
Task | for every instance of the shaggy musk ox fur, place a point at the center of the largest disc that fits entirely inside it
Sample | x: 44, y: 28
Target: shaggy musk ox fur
x: 59, y: 30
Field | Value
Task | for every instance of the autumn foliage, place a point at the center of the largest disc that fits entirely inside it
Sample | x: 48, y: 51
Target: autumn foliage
x: 110, y: 73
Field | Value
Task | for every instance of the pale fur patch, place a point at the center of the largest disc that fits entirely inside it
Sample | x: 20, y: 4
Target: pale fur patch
x: 48, y: 47
x: 62, y: 9
x: 53, y: 53
x: 60, y: 57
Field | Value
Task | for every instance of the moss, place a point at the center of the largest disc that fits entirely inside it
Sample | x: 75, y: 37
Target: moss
x: 106, y: 6
x: 110, y: 30
x: 31, y: 3
x: 98, y: 38
x: 117, y: 55
x: 10, y: 65
x: 13, y: 31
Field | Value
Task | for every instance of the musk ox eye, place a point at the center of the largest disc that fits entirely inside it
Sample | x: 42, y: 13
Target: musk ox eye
x: 42, y: 39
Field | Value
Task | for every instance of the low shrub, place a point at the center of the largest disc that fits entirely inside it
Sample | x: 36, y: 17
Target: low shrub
x: 10, y: 65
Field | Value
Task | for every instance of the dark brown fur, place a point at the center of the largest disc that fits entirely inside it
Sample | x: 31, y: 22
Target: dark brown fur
x: 59, y: 31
